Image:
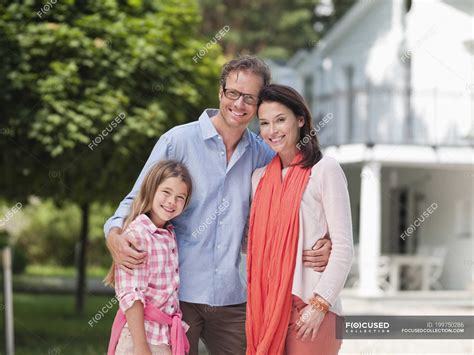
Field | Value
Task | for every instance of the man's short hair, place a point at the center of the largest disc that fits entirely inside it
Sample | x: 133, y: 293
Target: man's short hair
x: 247, y: 62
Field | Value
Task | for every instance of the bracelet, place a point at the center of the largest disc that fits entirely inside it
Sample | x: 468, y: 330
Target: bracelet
x: 318, y: 304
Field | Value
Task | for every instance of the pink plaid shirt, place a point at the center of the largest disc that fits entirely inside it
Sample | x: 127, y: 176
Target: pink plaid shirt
x: 156, y: 281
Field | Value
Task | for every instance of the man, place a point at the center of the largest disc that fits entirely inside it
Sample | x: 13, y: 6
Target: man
x: 221, y: 154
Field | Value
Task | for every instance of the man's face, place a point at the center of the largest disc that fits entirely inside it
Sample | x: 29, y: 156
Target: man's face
x: 237, y: 113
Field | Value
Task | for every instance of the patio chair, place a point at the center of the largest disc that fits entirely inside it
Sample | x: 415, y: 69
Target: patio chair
x: 437, y: 256
x: 383, y: 272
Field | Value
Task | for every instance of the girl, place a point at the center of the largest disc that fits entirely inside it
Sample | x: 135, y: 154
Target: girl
x: 299, y: 198
x: 149, y: 319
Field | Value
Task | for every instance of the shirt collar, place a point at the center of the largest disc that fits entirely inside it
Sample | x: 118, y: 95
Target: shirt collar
x: 208, y: 130
x: 151, y: 227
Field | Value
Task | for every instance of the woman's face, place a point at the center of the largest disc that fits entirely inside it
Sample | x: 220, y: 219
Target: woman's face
x: 279, y: 126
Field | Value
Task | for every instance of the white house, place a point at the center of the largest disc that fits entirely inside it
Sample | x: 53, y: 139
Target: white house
x: 391, y: 88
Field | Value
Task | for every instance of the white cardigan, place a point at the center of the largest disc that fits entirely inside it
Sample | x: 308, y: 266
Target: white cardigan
x: 325, y: 208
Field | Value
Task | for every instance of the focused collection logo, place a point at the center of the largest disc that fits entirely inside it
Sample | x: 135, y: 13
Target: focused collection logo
x: 367, y: 327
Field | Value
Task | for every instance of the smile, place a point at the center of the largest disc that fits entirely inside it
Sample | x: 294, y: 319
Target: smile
x: 238, y: 114
x: 167, y: 209
x: 276, y: 140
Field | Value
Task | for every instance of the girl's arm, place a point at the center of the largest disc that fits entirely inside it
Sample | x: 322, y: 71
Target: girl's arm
x: 131, y: 289
x: 136, y: 324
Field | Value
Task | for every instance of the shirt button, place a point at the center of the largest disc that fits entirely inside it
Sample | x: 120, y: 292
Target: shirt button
x: 218, y: 246
x: 172, y: 306
x: 216, y: 271
x: 222, y: 152
x: 176, y: 289
x: 176, y: 270
x: 221, y: 223
x: 172, y: 250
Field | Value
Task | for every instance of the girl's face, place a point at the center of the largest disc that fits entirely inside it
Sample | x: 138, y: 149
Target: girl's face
x: 279, y: 126
x: 169, y: 200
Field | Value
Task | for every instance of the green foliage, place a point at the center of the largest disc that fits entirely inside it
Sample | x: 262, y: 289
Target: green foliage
x: 51, y: 234
x: 19, y: 259
x: 67, y: 70
x: 4, y: 238
x: 273, y: 29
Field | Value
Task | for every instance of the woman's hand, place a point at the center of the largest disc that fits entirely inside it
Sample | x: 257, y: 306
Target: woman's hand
x: 308, y: 325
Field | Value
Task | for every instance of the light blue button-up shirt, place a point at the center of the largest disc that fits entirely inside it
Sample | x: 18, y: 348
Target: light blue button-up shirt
x: 210, y: 230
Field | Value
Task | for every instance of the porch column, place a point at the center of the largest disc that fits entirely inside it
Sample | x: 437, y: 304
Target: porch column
x: 370, y: 229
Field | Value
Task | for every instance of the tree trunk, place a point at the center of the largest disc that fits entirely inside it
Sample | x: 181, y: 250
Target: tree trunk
x: 81, y: 260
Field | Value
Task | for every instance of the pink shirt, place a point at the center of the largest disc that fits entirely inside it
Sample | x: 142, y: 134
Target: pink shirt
x: 156, y: 281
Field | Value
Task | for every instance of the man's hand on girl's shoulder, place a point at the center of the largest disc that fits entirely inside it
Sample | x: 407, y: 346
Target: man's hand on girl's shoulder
x: 124, y: 250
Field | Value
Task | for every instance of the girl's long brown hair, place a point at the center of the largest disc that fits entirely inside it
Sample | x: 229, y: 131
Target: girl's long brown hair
x: 144, y: 200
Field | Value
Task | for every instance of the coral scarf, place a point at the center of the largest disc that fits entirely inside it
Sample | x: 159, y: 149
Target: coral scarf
x: 273, y: 240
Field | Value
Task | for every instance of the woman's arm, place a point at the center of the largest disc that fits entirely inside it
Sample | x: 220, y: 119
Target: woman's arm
x: 336, y: 204
x: 335, y: 199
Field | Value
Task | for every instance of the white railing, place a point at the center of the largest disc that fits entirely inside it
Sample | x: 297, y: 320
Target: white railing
x: 377, y: 115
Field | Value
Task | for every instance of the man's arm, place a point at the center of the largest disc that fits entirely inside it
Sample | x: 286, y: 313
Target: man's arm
x: 317, y: 258
x: 122, y: 247
x: 265, y: 153
x: 245, y: 238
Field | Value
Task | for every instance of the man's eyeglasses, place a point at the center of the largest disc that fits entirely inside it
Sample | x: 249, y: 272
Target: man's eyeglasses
x: 234, y: 95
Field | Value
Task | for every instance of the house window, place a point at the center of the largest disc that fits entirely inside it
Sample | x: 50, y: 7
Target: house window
x: 399, y: 208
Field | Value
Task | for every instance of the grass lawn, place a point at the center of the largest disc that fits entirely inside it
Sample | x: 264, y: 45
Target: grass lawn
x: 47, y: 324
x: 70, y: 271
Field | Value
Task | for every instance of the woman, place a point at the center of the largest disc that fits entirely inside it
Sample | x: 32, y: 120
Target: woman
x: 299, y: 198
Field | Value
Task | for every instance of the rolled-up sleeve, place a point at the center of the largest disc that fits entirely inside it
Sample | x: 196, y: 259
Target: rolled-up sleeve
x: 161, y: 151
x: 132, y: 287
x: 336, y: 204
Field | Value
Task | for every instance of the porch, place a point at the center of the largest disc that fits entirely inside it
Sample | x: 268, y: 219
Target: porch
x: 412, y: 213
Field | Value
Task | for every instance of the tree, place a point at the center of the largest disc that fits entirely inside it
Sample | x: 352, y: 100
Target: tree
x: 272, y: 29
x: 86, y: 88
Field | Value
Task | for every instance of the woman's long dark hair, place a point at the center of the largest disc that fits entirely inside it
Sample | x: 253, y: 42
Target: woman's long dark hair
x: 308, y: 142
